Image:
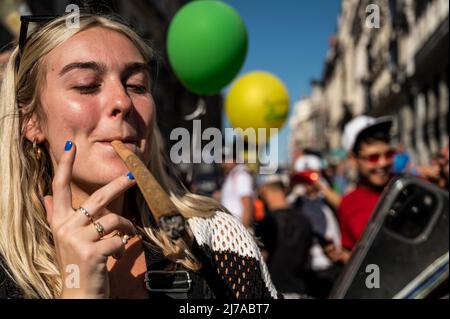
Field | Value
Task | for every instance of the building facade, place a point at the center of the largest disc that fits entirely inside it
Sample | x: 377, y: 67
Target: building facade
x: 309, y: 118
x: 389, y: 57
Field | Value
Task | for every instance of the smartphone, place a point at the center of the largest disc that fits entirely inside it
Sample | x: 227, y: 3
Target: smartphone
x: 403, y: 252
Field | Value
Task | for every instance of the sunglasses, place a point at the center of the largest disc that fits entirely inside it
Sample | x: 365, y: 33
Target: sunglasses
x: 375, y: 158
x: 39, y: 20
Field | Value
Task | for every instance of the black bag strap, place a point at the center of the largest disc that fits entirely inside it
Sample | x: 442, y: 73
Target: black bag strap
x: 180, y: 283
x: 161, y: 282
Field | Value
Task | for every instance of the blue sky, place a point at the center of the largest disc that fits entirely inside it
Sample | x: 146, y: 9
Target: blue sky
x: 288, y: 38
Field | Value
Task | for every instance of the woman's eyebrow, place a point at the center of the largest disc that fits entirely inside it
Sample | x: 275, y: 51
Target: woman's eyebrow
x: 135, y: 67
x: 95, y: 66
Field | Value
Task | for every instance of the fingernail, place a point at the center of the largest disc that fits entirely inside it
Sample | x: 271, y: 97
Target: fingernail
x: 130, y: 176
x: 68, y: 146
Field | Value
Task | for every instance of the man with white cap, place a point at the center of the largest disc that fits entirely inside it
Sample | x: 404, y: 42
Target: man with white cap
x: 313, y: 164
x: 367, y: 141
x: 315, y: 206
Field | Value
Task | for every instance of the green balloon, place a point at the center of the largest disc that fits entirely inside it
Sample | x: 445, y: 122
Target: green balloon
x: 206, y: 45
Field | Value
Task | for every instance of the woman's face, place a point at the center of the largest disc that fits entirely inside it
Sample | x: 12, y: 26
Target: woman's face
x: 97, y: 89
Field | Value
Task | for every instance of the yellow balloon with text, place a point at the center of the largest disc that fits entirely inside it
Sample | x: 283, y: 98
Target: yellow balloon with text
x: 257, y: 100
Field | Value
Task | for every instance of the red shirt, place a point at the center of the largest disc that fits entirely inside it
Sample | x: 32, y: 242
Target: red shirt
x: 354, y: 213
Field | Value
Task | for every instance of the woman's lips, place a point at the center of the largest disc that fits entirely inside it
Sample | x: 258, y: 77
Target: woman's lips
x: 130, y: 145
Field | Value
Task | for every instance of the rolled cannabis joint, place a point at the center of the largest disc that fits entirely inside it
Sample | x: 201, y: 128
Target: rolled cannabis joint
x: 164, y: 211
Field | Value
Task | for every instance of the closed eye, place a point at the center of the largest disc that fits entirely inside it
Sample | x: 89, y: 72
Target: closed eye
x: 87, y: 89
x: 138, y: 89
x: 93, y: 89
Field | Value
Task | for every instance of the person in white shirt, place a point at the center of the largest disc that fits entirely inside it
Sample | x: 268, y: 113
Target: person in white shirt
x: 238, y: 190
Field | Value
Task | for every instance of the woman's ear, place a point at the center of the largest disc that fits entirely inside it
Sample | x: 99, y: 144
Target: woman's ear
x: 33, y: 131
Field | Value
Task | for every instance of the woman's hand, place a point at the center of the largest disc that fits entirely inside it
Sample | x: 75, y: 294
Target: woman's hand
x: 79, y: 244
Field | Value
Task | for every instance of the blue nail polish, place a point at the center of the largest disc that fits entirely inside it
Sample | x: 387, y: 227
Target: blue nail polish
x: 130, y: 176
x: 68, y: 146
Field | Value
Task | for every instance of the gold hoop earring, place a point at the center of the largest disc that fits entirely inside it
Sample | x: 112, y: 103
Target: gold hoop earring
x: 37, y: 150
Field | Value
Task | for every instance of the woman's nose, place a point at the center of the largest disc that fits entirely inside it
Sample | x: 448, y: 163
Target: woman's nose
x: 120, y: 103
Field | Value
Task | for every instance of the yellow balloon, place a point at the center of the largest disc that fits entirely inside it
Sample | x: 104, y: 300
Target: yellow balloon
x: 257, y: 100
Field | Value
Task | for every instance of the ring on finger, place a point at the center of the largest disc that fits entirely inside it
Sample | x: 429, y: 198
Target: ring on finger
x: 99, y: 228
x: 125, y: 239
x: 86, y: 213
x: 113, y: 234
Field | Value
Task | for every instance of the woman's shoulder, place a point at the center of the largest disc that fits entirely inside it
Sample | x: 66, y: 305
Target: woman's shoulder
x: 224, y: 232
x: 8, y: 287
x: 234, y: 253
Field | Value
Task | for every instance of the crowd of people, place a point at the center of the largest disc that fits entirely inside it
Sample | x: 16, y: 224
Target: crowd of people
x: 309, y: 219
x: 68, y: 199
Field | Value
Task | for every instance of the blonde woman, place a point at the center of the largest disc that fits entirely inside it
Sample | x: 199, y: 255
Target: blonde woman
x: 68, y: 206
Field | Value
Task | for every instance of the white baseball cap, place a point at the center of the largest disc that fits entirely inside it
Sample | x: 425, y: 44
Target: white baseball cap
x: 308, y: 163
x: 361, y: 124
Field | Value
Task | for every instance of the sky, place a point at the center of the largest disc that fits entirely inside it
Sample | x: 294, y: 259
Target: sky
x: 288, y: 38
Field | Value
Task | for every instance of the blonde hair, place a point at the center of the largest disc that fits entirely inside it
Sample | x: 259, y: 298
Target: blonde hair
x: 26, y: 243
